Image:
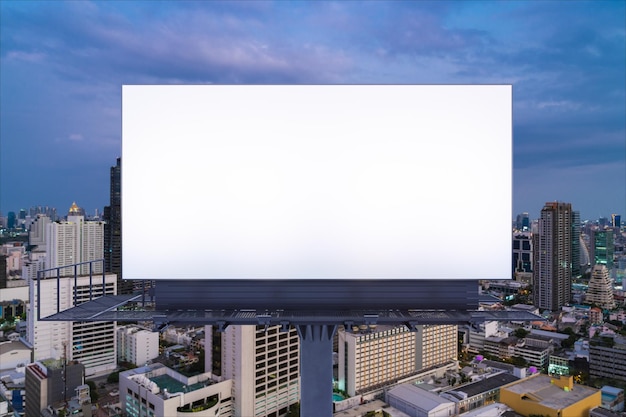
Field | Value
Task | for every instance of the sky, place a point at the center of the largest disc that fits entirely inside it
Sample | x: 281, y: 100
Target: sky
x: 62, y: 65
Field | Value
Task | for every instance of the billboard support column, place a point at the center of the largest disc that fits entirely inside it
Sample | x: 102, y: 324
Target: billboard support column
x: 316, y: 369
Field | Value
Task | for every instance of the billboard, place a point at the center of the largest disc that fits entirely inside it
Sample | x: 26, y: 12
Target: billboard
x: 346, y: 182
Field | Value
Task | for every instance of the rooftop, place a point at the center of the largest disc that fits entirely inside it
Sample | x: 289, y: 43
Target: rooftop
x: 539, y: 388
x: 166, y: 382
x: 488, y: 384
x: 415, y: 395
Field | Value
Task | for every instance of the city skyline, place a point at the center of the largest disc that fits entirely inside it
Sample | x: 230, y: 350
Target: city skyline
x: 63, y: 65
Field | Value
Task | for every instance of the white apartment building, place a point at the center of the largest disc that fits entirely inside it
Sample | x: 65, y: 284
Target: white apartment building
x: 136, y: 344
x: 90, y: 343
x: 264, y: 366
x: 74, y: 241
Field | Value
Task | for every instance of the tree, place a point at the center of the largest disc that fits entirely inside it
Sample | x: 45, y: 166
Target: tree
x: 92, y: 391
x: 114, y: 377
x: 521, y: 333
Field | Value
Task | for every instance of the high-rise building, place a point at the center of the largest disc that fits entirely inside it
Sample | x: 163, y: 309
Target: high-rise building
x: 576, y: 269
x: 112, y: 216
x: 522, y: 223
x: 522, y: 256
x: 602, y: 247
x: 37, y: 232
x: 264, y: 365
x: 49, y: 382
x: 370, y: 360
x: 553, y: 267
x: 600, y: 290
x: 90, y: 343
x: 616, y: 221
x: 436, y: 345
x: 74, y: 241
x: 137, y: 345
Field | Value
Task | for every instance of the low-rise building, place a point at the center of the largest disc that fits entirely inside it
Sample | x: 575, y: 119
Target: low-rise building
x: 480, y: 393
x: 612, y: 398
x: 136, y: 344
x: 14, y: 354
x: 551, y: 397
x: 417, y: 402
x: 156, y: 390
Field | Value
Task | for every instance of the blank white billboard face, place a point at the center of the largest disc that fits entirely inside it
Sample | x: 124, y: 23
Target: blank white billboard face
x: 317, y: 182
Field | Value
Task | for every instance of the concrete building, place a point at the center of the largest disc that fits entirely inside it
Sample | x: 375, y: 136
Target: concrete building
x: 600, y: 290
x: 522, y: 256
x: 613, y: 398
x: 263, y: 364
x: 49, y: 382
x: 136, y: 344
x: 416, y: 402
x: 542, y: 395
x: 370, y: 360
x: 553, y: 268
x: 435, y: 345
x: 13, y: 390
x: 75, y: 241
x: 90, y: 343
x: 478, y: 394
x: 607, y: 358
x: 155, y: 391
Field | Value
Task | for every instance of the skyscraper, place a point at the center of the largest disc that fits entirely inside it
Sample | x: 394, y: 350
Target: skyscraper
x: 553, y: 268
x: 602, y: 247
x: 522, y: 256
x: 113, y: 230
x: 74, y: 241
x: 576, y: 270
x: 600, y: 291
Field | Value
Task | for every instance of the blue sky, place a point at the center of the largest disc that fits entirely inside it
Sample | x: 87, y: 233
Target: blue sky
x: 63, y: 64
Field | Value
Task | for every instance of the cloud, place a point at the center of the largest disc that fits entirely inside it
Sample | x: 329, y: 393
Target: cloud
x: 76, y: 137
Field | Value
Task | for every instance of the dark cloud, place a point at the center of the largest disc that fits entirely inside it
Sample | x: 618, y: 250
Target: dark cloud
x: 63, y: 64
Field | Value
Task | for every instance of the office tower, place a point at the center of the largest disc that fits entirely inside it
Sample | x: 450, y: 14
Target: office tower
x: 75, y: 241
x: 264, y: 366
x: 522, y: 256
x: 553, y: 267
x: 11, y: 220
x: 436, y: 345
x: 602, y: 247
x: 616, y: 220
x: 90, y: 343
x: 522, y: 223
x: 600, y: 290
x: 576, y: 270
x: 112, y: 216
x: 49, y: 382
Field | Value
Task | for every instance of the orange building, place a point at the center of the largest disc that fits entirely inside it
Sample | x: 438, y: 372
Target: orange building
x: 542, y: 395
